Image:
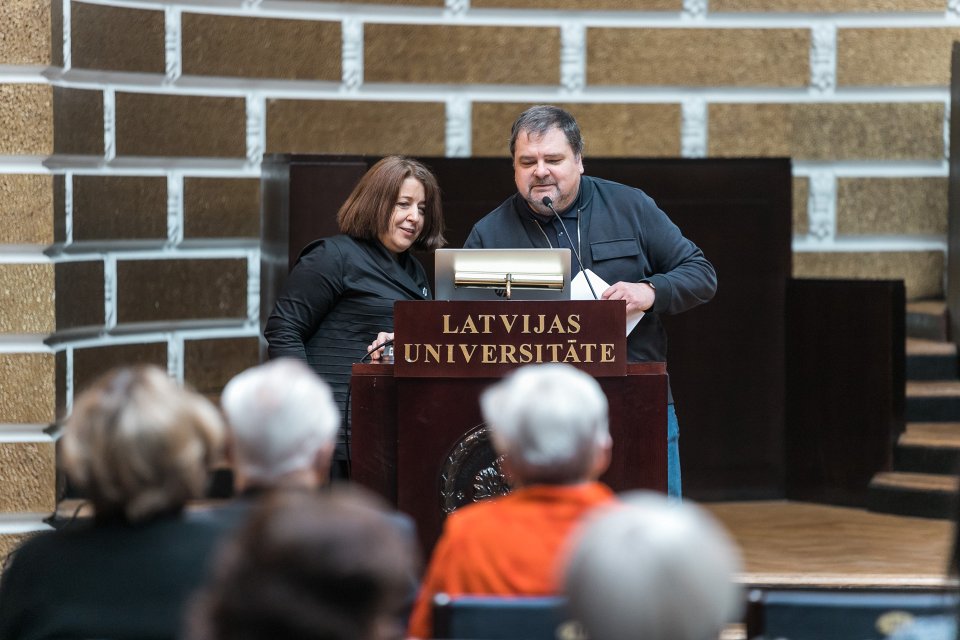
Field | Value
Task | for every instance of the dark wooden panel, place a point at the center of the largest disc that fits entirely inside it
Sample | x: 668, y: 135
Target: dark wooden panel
x: 726, y: 358
x: 953, y: 206
x: 845, y: 386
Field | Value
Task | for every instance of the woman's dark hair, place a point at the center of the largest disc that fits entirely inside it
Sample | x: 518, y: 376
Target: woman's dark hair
x: 366, y: 214
x: 305, y: 566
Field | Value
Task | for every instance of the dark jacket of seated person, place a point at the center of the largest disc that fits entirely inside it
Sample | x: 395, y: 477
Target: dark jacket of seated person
x: 139, y: 447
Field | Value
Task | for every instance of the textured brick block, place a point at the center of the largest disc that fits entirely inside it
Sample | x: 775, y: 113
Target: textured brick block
x: 119, y: 208
x: 921, y: 271
x: 26, y: 298
x: 801, y: 219
x: 221, y: 208
x: 904, y: 131
x: 90, y: 364
x: 26, y: 32
x: 78, y: 121
x: 891, y: 206
x: 116, y: 38
x: 261, y: 47
x: 80, y: 294
x: 208, y: 365
x: 29, y: 388
x: 28, y: 477
x: 165, y: 290
x: 356, y: 127
x: 168, y: 125
x: 737, y: 57
x: 26, y: 209
x: 576, y: 5
x: 825, y: 6
x: 897, y: 57
x: 461, y: 55
x: 26, y: 119
x: 608, y: 129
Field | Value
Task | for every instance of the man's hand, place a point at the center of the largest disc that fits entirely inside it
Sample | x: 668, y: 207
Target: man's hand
x: 375, y: 352
x: 639, y: 295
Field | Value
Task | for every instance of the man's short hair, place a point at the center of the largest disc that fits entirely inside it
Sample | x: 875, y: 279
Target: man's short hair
x: 550, y: 420
x: 650, y: 563
x: 538, y: 120
x: 280, y: 415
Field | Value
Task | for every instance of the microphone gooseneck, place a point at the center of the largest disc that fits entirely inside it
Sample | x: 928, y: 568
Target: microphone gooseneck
x: 548, y: 203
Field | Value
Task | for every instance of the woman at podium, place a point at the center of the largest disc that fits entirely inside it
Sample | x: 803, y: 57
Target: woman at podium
x: 341, y: 291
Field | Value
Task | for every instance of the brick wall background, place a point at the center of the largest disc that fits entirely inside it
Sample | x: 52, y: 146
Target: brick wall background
x: 131, y: 135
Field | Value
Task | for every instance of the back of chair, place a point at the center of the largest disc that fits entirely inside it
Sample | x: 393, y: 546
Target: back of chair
x: 839, y: 614
x: 503, y: 618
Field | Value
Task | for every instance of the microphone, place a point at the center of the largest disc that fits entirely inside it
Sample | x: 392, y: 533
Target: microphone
x: 548, y: 203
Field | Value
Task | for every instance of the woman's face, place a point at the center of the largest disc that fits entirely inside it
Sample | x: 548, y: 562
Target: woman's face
x: 406, y: 220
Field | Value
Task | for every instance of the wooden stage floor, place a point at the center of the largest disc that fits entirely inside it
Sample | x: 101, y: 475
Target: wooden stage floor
x: 801, y: 544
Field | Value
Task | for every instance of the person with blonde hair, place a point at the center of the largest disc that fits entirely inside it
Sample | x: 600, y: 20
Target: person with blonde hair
x: 648, y: 567
x: 549, y: 422
x: 139, y: 447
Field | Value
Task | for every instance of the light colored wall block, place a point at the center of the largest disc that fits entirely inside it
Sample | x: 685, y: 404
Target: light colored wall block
x: 333, y: 126
x: 178, y: 125
x: 26, y: 119
x: 28, y: 477
x: 27, y: 298
x: 26, y: 209
x: 651, y: 130
x: 260, y: 47
x: 29, y: 388
x: 410, y: 3
x: 891, y: 206
x: 868, y: 131
x: 921, y: 271
x: 461, y: 55
x: 801, y: 193
x: 116, y: 38
x: 678, y: 57
x: 26, y: 32
x: 894, y: 57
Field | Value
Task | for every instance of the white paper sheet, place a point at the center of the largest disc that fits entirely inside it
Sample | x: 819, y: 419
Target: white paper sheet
x: 580, y: 290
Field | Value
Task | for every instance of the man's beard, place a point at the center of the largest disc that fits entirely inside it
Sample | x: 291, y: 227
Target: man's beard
x: 536, y: 202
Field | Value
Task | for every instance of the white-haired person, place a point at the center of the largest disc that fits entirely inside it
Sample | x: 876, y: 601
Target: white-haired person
x: 550, y: 423
x: 653, y: 568
x: 283, y: 426
x: 139, y: 447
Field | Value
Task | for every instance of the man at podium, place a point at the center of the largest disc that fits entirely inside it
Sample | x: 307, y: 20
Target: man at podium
x: 613, y: 230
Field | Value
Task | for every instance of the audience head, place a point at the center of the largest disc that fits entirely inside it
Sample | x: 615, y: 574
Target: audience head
x: 550, y: 421
x: 283, y: 422
x: 368, y: 211
x: 651, y: 564
x: 138, y: 445
x: 310, y: 566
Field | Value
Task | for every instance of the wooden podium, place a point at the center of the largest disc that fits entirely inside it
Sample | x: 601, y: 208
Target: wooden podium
x: 418, y: 436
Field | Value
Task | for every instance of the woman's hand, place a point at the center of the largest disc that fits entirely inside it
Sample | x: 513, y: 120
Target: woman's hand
x: 375, y: 349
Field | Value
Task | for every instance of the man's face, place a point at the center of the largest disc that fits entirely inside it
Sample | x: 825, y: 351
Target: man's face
x: 546, y: 166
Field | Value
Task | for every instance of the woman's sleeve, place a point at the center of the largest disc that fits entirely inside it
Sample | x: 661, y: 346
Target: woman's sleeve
x: 313, y: 288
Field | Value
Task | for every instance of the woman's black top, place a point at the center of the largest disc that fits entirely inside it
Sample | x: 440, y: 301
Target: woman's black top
x: 338, y: 296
